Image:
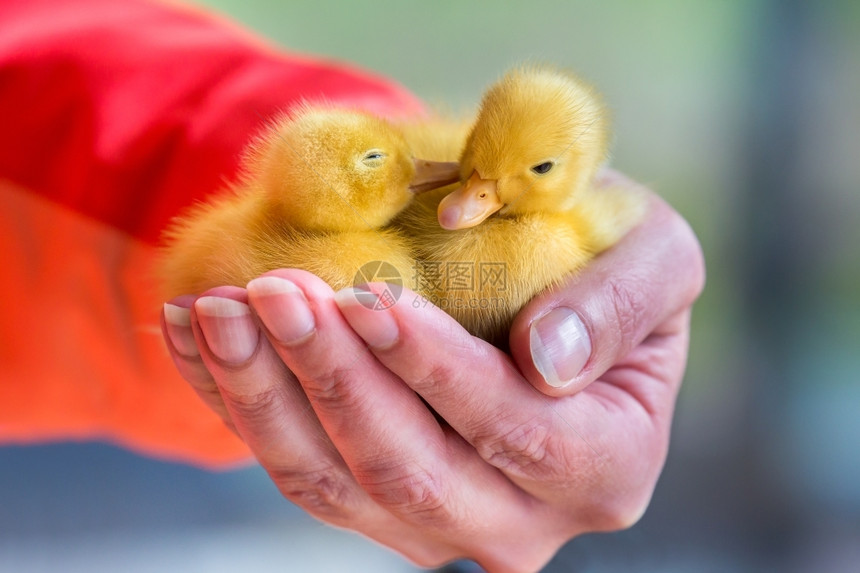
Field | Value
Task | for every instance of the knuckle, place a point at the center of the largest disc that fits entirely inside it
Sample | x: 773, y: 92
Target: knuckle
x: 428, y: 562
x: 620, y: 514
x: 614, y: 504
x: 628, y: 516
x: 409, y: 490
x: 212, y: 398
x: 627, y: 306
x: 323, y: 491
x: 433, y: 554
x: 522, y: 451
x: 331, y: 388
x: 437, y: 374
x: 209, y: 393
x: 689, y: 253
x: 695, y: 266
x: 258, y: 407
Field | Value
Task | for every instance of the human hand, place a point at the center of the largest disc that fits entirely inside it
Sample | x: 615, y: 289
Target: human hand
x: 326, y: 393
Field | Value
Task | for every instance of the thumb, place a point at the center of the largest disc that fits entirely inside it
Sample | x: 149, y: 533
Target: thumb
x: 568, y: 336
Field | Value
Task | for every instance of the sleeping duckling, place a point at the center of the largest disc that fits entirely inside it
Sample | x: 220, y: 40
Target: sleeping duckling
x: 527, y: 213
x: 318, y: 192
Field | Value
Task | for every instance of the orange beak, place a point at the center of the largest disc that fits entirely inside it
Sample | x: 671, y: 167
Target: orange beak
x: 469, y: 205
x: 433, y: 174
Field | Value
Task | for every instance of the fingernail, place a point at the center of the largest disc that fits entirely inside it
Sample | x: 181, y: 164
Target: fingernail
x: 283, y: 308
x: 228, y: 327
x: 560, y: 346
x: 366, y: 315
x: 178, y: 322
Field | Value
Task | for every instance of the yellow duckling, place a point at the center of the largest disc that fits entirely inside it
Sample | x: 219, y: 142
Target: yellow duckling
x: 319, y: 189
x: 527, y: 214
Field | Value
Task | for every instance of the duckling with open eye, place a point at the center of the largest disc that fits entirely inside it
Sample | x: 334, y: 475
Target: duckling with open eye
x: 527, y: 214
x: 318, y: 193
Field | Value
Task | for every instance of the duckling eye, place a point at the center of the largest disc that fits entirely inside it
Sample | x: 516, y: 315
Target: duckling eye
x: 542, y: 168
x: 373, y: 156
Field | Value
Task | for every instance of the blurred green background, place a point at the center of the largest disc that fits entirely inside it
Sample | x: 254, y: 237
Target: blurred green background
x: 746, y: 117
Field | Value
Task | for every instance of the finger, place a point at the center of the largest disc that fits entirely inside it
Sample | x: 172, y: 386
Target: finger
x: 390, y: 440
x: 476, y: 388
x: 566, y: 337
x: 594, y: 456
x: 270, y: 411
x: 179, y: 337
x: 274, y: 417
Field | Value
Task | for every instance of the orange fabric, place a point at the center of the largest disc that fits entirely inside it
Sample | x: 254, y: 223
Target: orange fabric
x: 113, y: 117
x: 82, y: 350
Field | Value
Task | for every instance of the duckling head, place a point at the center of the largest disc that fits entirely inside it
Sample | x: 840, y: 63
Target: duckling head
x: 539, y: 138
x: 328, y: 169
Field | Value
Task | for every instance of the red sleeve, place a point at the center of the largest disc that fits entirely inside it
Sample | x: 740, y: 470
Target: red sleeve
x: 114, y: 116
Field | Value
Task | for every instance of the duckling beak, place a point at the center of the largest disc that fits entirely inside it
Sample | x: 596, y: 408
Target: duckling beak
x: 433, y: 174
x: 470, y: 204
